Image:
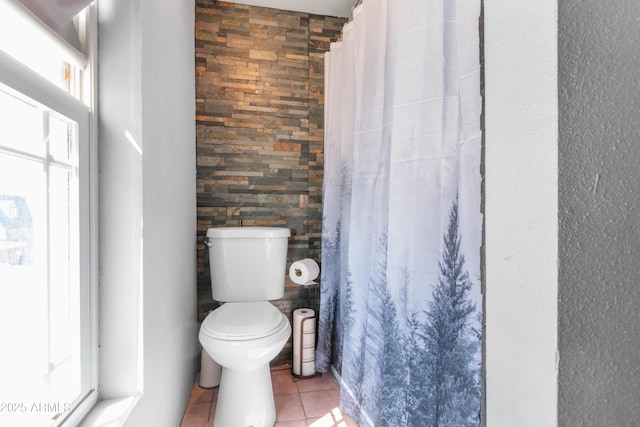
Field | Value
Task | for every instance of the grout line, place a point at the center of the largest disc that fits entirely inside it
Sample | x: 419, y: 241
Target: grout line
x: 304, y: 410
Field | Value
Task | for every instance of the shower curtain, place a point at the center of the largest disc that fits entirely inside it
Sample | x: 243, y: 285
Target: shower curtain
x: 401, y: 304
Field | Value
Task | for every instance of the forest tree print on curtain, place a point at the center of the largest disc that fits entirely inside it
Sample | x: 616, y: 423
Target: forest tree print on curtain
x: 431, y: 368
x: 400, y: 319
x: 451, y: 344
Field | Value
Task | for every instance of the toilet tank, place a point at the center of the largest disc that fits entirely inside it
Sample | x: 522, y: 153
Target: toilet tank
x: 247, y: 263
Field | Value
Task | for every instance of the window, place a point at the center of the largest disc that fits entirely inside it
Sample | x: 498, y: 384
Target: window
x: 46, y: 318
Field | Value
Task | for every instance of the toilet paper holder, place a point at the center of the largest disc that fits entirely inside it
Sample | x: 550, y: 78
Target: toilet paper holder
x: 301, y: 333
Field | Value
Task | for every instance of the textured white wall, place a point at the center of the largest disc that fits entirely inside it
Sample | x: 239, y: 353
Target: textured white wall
x: 599, y: 165
x: 148, y: 206
x: 120, y: 197
x: 521, y: 207
x: 318, y: 7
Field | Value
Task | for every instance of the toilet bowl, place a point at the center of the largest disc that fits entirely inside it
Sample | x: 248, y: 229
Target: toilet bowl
x: 246, y: 332
x: 243, y: 338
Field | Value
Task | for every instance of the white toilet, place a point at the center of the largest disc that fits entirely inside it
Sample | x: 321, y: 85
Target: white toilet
x: 244, y: 334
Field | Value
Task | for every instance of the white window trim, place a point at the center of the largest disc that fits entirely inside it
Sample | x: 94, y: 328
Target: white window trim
x: 521, y: 213
x: 42, y: 32
x: 102, y: 410
x: 88, y: 33
x: 21, y: 79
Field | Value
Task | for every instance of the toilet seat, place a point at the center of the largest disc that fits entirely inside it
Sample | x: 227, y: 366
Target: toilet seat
x: 238, y: 321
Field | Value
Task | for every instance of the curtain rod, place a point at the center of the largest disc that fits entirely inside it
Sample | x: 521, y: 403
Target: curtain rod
x: 358, y: 3
x: 350, y: 18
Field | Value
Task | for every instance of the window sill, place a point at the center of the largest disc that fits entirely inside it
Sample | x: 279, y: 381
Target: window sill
x: 111, y: 412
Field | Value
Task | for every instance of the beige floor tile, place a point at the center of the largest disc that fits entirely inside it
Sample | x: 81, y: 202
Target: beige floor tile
x: 201, y: 395
x: 196, y: 415
x: 298, y: 423
x: 334, y: 419
x: 283, y: 383
x: 289, y: 407
x: 324, y: 382
x: 320, y: 403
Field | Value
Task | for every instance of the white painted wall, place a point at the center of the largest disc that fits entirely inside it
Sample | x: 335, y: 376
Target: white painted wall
x: 120, y: 197
x: 147, y: 206
x: 595, y: 206
x: 599, y: 217
x: 521, y: 208
x: 318, y: 7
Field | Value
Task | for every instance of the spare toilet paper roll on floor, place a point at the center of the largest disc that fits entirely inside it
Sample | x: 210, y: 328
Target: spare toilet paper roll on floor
x: 209, y: 371
x: 304, y: 272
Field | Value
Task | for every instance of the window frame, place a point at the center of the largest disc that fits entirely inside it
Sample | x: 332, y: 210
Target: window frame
x: 27, y: 82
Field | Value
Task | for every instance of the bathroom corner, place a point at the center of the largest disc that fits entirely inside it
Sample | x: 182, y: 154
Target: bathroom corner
x: 259, y: 131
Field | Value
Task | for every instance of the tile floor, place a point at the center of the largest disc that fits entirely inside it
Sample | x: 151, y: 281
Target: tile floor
x: 301, y: 403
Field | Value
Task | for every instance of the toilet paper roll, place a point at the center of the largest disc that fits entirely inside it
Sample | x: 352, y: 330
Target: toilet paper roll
x: 298, y: 317
x: 307, y: 369
x: 308, y: 354
x: 304, y: 272
x: 308, y: 341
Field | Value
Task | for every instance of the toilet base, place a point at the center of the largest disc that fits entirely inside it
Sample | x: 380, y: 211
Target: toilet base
x: 245, y: 399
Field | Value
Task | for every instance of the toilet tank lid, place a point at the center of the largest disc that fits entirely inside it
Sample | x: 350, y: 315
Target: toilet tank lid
x: 248, y: 232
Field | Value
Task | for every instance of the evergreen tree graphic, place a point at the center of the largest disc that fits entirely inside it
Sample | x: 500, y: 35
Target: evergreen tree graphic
x: 376, y: 304
x: 450, y: 344
x: 417, y: 393
x: 328, y: 297
x: 345, y: 322
x: 394, y: 374
x: 352, y: 380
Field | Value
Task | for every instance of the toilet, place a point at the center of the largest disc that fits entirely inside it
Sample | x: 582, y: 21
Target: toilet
x: 246, y: 332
